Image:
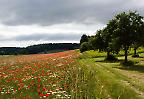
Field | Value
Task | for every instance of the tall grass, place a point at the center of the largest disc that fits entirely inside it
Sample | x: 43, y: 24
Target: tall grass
x: 94, y: 79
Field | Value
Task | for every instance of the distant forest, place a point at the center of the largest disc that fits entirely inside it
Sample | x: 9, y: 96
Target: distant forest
x: 40, y: 48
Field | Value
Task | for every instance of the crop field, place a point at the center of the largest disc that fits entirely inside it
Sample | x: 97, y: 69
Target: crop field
x: 36, y: 76
x: 71, y: 75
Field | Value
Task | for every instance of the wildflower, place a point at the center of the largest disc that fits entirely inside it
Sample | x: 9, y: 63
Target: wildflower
x: 41, y: 95
x: 48, y: 94
x: 28, y: 87
x: 44, y: 89
x: 39, y: 80
x: 38, y: 86
x: 29, y: 97
x: 19, y: 88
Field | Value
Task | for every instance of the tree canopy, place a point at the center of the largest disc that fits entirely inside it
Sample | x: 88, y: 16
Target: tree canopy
x: 124, y: 31
x: 84, y: 38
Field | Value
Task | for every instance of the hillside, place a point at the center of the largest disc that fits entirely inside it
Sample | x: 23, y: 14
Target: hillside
x: 40, y: 48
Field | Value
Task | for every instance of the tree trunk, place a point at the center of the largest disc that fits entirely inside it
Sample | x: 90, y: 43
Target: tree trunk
x: 135, y: 53
x: 108, y: 54
x: 126, y: 54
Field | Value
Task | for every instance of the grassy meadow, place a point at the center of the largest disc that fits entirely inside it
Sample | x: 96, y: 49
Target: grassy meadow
x: 71, y: 75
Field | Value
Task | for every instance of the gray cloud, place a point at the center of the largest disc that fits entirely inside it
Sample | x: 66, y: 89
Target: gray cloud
x: 45, y: 37
x: 50, y: 12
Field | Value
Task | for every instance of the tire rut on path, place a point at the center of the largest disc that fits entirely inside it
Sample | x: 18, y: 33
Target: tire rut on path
x: 124, y: 81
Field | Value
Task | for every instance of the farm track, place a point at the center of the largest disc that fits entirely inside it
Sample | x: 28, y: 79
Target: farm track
x: 123, y: 78
x: 113, y: 82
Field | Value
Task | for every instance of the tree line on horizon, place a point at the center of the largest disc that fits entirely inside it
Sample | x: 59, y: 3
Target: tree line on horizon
x: 40, y: 48
x: 124, y: 31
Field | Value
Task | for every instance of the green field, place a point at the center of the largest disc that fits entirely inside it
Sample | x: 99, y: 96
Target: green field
x: 110, y: 80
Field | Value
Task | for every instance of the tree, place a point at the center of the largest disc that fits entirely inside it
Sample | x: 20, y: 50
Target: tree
x: 111, y: 43
x: 102, y: 42
x: 84, y: 38
x: 97, y: 41
x: 107, y: 37
x: 124, y: 30
x: 138, y: 28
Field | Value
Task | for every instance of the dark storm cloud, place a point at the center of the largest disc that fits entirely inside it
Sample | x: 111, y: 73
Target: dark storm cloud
x: 50, y: 12
x: 48, y: 37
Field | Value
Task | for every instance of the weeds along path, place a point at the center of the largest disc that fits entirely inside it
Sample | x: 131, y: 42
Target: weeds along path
x: 110, y: 82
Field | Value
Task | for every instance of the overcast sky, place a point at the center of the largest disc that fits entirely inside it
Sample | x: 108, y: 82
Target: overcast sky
x: 28, y: 22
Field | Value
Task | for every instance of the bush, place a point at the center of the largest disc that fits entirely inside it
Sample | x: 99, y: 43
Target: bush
x: 84, y: 47
x: 136, y: 55
x: 129, y: 63
x: 111, y: 58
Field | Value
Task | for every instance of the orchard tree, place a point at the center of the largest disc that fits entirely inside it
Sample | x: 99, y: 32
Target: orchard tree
x: 107, y: 37
x: 84, y: 38
x: 138, y: 30
x: 103, y: 42
x: 97, y: 41
x: 112, y: 43
x: 124, y: 30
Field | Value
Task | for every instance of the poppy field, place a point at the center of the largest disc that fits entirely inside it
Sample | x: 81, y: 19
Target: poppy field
x: 37, y: 76
x: 70, y: 75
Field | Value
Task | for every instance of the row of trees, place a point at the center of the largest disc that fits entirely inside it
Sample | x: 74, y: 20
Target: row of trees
x: 124, y: 31
x: 40, y: 48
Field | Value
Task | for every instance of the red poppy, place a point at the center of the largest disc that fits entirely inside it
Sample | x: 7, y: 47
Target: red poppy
x: 41, y: 95
x: 47, y: 94
x: 39, y: 80
x: 29, y: 97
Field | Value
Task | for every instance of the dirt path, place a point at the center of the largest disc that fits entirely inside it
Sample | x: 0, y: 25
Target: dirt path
x: 136, y: 79
x: 131, y: 79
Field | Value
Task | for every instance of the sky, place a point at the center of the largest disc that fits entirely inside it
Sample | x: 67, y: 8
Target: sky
x: 29, y: 22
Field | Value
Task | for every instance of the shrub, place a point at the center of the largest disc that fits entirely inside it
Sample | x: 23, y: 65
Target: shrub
x: 128, y: 63
x: 84, y: 47
x: 111, y: 58
x: 136, y: 55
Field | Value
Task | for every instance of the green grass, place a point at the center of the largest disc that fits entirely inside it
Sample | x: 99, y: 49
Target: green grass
x: 97, y: 78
